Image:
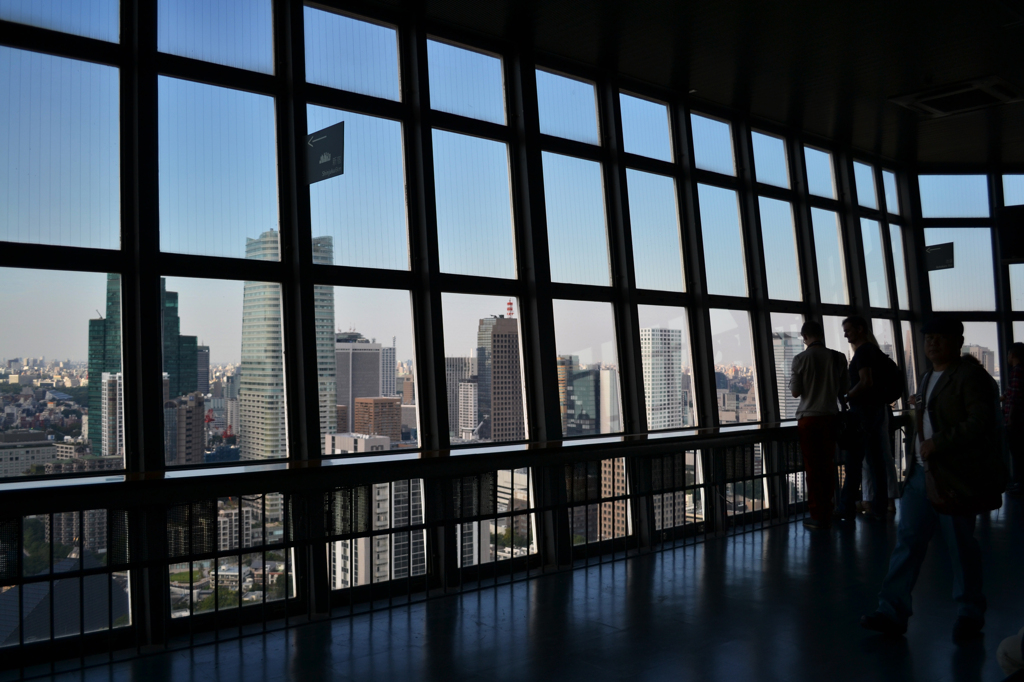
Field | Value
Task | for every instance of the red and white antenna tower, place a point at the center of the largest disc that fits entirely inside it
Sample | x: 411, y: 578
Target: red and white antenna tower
x: 510, y: 307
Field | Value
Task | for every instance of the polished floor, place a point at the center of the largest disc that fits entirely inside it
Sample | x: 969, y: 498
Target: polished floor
x: 781, y: 604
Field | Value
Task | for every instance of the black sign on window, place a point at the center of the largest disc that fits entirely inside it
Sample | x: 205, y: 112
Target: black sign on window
x: 325, y: 153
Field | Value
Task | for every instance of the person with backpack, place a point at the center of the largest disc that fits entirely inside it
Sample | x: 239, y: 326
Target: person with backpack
x: 1013, y: 415
x: 871, y: 387
x: 956, y: 474
x: 819, y: 379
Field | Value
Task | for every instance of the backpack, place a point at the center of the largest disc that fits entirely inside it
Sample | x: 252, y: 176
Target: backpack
x: 889, y: 379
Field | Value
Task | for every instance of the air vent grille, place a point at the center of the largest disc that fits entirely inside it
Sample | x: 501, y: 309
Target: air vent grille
x: 961, y: 97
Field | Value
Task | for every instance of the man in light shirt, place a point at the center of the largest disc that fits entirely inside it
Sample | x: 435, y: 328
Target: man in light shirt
x: 819, y: 378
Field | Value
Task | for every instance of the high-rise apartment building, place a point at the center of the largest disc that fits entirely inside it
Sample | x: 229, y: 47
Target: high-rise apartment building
x: 112, y: 415
x: 786, y: 345
x: 358, y: 363
x: 387, y: 556
x: 662, y: 354
x: 232, y: 416
x: 469, y: 403
x: 180, y: 353
x: 379, y: 416
x: 185, y: 430
x: 104, y: 356
x: 456, y: 370
x: 203, y: 369
x: 326, y: 362
x: 609, y: 407
x: 583, y: 401
x: 984, y: 355
x: 263, y: 431
x: 388, y: 370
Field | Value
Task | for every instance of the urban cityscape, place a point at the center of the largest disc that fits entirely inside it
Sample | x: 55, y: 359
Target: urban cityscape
x: 64, y: 416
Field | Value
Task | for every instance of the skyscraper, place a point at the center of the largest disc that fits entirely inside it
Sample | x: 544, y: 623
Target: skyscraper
x: 263, y: 431
x: 608, y: 408
x: 566, y: 365
x: 203, y: 369
x: 358, y: 371
x: 456, y: 370
x: 326, y: 362
x: 583, y: 400
x: 984, y: 355
x: 508, y: 420
x: 787, y: 345
x: 180, y: 353
x: 469, y: 403
x: 104, y: 356
x: 388, y: 370
x: 483, y: 374
x: 662, y: 354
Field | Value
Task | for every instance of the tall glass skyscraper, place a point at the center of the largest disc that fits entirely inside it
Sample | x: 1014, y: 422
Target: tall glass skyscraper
x: 662, y: 353
x: 104, y: 357
x: 326, y: 364
x: 263, y: 430
x: 181, y: 362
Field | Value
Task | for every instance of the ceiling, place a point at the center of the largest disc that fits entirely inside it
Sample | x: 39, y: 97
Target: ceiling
x: 825, y: 67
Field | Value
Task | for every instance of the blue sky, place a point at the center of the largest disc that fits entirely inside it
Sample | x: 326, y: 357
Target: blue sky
x: 60, y: 179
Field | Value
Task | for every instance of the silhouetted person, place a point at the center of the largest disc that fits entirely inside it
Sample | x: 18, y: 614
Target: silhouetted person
x: 869, y: 419
x: 956, y: 444
x: 819, y: 378
x: 1013, y: 415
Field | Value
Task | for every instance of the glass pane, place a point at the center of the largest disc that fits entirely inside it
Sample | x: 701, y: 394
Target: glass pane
x: 577, y: 235
x: 981, y: 341
x: 828, y: 250
x: 1018, y: 331
x: 246, y: 354
x: 361, y: 406
x: 786, y: 343
x: 60, y: 384
x: 353, y: 55
x: 778, y: 235
x: 820, y: 180
x: 654, y: 222
x: 465, y: 82
x: 645, y: 127
x: 668, y: 367
x: 770, y: 164
x: 900, y: 264
x: 882, y: 329
x: 712, y: 145
x: 98, y: 19
x: 212, y: 203
x: 1013, y: 190
x: 954, y: 196
x: 735, y: 373
x: 567, y: 107
x: 892, y: 197
x: 474, y: 206
x: 59, y: 151
x: 588, y: 368
x: 483, y: 369
x: 229, y: 32
x: 909, y: 364
x: 874, y: 261
x: 834, y: 336
x: 364, y: 209
x: 1017, y: 286
x: 723, y: 241
x: 864, y: 176
x: 969, y: 284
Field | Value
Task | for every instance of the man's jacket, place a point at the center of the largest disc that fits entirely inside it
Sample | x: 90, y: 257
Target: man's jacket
x: 967, y: 435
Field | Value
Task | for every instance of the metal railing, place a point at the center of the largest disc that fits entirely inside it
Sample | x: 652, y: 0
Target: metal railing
x: 100, y: 570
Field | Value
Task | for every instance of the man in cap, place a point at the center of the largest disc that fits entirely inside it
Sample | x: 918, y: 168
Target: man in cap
x: 957, y: 433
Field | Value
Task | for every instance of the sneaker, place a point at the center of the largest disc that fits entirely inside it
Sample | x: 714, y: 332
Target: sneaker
x: 966, y: 628
x: 815, y: 524
x: 880, y: 622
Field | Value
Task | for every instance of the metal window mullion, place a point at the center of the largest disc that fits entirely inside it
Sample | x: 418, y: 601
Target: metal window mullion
x: 810, y: 286
x: 1001, y: 283
x: 853, y: 246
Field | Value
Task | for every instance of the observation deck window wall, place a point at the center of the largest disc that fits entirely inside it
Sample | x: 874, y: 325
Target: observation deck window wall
x: 218, y: 31
x: 351, y: 54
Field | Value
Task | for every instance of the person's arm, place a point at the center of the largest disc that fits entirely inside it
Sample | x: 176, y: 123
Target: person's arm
x: 866, y: 381
x: 1013, y: 398
x: 844, y: 379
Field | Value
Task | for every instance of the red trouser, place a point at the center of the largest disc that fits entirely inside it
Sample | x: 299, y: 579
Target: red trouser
x: 818, y: 445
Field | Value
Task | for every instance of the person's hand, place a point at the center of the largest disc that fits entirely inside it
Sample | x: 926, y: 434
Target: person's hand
x: 927, y: 449
x: 913, y: 400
